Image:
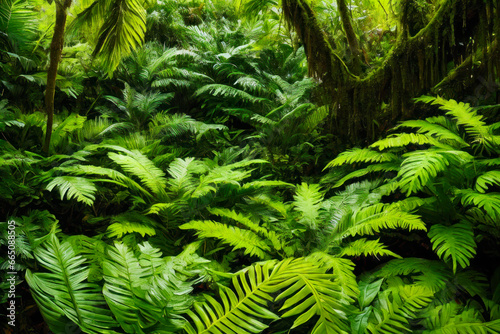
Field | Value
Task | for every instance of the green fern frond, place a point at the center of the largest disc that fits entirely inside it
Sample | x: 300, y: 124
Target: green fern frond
x: 80, y: 188
x: 431, y: 274
x: 356, y: 155
x: 489, y: 178
x: 265, y: 183
x: 247, y: 240
x: 63, y: 294
x: 436, y: 130
x: 489, y: 202
x: 369, y: 220
x: 343, y: 270
x: 307, y: 201
x: 139, y: 165
x: 126, y: 290
x: 404, y: 139
x: 393, y: 313
x: 121, y: 228
x: 367, y: 247
x: 375, y: 168
x: 455, y: 242
x: 227, y: 91
x: 419, y: 168
x: 240, y: 218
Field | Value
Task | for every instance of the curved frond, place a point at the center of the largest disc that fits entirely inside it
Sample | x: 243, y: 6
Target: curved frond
x: 489, y: 202
x: 80, y: 188
x: 419, y: 168
x: 367, y: 247
x: 356, y: 155
x: 247, y: 240
x: 307, y: 201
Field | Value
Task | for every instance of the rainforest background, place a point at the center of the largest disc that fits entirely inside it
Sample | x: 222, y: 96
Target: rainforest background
x: 253, y: 166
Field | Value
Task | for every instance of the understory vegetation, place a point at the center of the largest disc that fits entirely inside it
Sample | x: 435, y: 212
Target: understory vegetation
x: 254, y: 166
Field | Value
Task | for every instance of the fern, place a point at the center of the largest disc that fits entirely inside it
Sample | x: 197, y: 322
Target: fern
x: 455, y: 242
x: 63, y: 294
x: 367, y: 247
x: 139, y: 165
x: 227, y: 91
x: 436, y: 130
x: 307, y: 201
x: 356, y: 155
x: 419, y: 168
x: 489, y: 202
x: 236, y: 237
x: 368, y: 221
x: 80, y: 188
x: 404, y: 139
x: 486, y: 179
x: 306, y: 290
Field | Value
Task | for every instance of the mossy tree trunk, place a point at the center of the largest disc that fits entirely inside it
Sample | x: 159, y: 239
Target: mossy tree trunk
x: 419, y: 61
x: 56, y: 47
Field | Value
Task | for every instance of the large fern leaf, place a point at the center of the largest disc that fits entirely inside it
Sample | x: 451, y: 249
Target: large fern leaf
x: 63, y: 293
x: 419, y: 168
x: 139, y: 165
x: 80, y: 188
x: 455, y: 242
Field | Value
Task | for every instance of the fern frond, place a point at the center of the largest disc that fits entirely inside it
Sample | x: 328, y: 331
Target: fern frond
x: 228, y: 91
x: 367, y: 247
x: 343, y: 270
x: 307, y: 201
x: 436, y: 130
x: 455, y: 242
x: 247, y: 240
x: 382, y: 167
x: 404, y: 139
x: 419, y: 168
x: 139, y: 165
x: 308, y: 291
x: 80, y: 188
x: 356, y: 155
x: 63, y: 294
x: 126, y: 290
x: 489, y: 178
x: 489, y: 202
x: 431, y: 274
x: 369, y: 220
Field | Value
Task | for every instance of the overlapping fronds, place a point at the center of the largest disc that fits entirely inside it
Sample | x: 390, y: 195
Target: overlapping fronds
x: 63, y: 294
x: 305, y: 289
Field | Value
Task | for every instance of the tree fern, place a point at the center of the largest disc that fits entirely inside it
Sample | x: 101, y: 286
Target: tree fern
x: 63, y: 293
x: 455, y: 242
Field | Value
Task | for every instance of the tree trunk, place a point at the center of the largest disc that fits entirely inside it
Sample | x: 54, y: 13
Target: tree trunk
x: 351, y: 36
x: 56, y: 47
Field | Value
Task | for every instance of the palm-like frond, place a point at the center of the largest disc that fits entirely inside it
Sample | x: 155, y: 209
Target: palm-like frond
x: 80, y: 188
x: 18, y: 22
x: 122, y: 31
x: 63, y: 293
x: 435, y: 130
x: 455, y: 242
x: 404, y: 139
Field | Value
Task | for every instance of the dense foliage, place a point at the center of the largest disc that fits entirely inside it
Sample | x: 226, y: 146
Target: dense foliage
x: 252, y: 166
